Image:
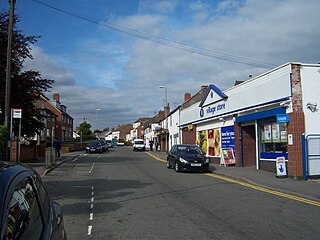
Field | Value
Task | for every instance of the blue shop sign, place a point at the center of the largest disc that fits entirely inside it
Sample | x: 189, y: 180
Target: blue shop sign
x: 283, y: 118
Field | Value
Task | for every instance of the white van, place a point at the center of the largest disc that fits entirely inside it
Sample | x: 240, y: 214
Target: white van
x: 138, y: 144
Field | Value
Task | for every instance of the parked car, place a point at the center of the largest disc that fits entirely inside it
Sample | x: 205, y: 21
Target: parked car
x: 104, y: 145
x: 187, y: 157
x: 26, y: 210
x: 109, y: 142
x: 138, y: 144
x: 94, y: 147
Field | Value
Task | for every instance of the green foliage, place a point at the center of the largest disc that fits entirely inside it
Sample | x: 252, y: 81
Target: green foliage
x: 85, y: 131
x: 26, y: 85
x: 4, y: 136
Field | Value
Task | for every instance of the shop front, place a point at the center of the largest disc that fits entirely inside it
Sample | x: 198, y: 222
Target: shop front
x: 263, y: 138
x: 261, y: 122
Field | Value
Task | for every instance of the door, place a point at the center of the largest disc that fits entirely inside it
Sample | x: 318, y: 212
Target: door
x: 248, y: 146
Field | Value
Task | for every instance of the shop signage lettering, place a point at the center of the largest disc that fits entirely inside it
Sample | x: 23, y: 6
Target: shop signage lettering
x: 213, y: 109
x: 283, y: 118
x: 227, y: 137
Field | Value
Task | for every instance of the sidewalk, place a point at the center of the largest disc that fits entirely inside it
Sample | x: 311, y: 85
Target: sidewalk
x: 39, y: 165
x: 309, y: 189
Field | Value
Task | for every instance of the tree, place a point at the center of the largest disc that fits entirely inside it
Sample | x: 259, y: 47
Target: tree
x: 4, y: 137
x: 85, y: 131
x: 26, y: 86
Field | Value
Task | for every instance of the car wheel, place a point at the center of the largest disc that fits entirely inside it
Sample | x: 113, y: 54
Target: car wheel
x: 176, y: 167
x: 168, y: 164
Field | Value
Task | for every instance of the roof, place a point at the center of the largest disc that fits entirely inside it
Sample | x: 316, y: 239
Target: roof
x: 215, y: 93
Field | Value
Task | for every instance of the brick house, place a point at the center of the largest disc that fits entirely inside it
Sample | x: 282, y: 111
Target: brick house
x: 58, y: 123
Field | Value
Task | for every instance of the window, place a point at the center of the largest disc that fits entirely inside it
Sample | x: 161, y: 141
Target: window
x: 24, y: 219
x: 43, y: 199
x: 273, y: 138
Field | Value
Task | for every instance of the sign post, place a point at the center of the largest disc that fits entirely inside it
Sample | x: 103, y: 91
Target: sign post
x: 17, y: 113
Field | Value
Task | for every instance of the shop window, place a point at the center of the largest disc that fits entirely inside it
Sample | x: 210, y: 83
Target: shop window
x: 273, y: 139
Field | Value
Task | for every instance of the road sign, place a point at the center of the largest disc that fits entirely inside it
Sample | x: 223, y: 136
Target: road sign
x: 16, y: 112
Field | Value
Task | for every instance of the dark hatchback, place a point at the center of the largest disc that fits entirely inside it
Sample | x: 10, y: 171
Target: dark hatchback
x: 94, y: 147
x: 26, y: 211
x: 185, y: 157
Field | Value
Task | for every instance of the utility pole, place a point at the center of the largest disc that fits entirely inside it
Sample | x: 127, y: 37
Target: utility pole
x: 7, y: 118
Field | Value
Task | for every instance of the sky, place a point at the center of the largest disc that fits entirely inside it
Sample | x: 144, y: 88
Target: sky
x: 109, y: 57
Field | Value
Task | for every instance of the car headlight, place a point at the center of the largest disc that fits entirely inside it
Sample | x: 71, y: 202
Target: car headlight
x: 206, y: 160
x: 182, y: 160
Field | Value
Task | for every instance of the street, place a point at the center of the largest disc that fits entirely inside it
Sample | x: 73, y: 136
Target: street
x: 121, y: 194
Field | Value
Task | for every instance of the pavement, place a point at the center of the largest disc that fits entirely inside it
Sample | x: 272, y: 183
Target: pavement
x: 249, y: 177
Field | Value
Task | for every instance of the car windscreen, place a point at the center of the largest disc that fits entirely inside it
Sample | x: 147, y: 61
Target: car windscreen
x: 189, y: 150
x: 138, y: 142
x: 93, y: 144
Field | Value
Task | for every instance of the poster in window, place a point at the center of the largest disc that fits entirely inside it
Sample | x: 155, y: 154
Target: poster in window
x: 202, y: 141
x: 227, y: 137
x: 267, y: 133
x: 214, y: 142
x: 283, y: 136
x: 275, y: 133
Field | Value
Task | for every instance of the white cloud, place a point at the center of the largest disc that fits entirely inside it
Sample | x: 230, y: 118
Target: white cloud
x: 49, y: 68
x: 121, y: 74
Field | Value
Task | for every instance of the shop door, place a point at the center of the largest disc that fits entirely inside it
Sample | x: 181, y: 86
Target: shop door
x: 248, y: 146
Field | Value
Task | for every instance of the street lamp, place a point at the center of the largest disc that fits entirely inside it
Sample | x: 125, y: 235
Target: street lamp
x: 165, y: 115
x: 98, y: 109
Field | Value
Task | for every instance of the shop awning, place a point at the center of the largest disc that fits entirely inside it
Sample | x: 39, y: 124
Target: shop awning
x: 261, y: 114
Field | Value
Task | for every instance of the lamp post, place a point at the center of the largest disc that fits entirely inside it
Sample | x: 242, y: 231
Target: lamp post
x: 165, y: 114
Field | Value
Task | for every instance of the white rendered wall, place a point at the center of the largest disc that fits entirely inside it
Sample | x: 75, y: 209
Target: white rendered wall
x: 310, y: 81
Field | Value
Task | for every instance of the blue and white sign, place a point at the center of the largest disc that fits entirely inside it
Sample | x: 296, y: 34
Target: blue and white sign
x: 283, y: 118
x: 227, y: 137
x: 281, y: 167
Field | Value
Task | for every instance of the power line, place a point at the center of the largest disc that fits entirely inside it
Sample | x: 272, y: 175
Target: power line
x: 164, y: 41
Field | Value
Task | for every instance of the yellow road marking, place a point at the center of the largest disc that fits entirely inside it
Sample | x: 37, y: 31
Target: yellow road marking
x: 253, y: 186
x: 156, y: 157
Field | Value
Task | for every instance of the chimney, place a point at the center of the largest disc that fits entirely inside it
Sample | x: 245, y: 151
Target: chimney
x: 203, y: 87
x: 187, y: 96
x: 167, y: 109
x: 56, y: 97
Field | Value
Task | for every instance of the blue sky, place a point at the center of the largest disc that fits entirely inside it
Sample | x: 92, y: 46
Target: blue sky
x: 96, y: 67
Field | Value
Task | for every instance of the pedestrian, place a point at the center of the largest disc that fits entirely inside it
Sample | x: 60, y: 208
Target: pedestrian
x: 151, y: 145
x: 57, y: 148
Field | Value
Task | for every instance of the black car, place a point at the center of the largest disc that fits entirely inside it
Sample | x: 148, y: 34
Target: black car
x: 187, y: 157
x: 94, y: 147
x: 104, y: 145
x: 26, y: 212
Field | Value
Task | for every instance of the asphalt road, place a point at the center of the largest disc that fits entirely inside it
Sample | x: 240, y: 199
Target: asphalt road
x: 123, y: 194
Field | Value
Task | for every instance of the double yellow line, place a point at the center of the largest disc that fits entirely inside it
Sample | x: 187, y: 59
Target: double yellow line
x: 253, y: 186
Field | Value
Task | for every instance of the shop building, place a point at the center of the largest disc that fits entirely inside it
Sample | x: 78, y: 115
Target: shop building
x: 263, y: 119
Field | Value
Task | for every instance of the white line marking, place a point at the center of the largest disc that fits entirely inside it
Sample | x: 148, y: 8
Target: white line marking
x: 91, y: 206
x: 92, y: 193
x: 91, y: 216
x: 89, y: 229
x: 92, y: 199
x: 92, y: 167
